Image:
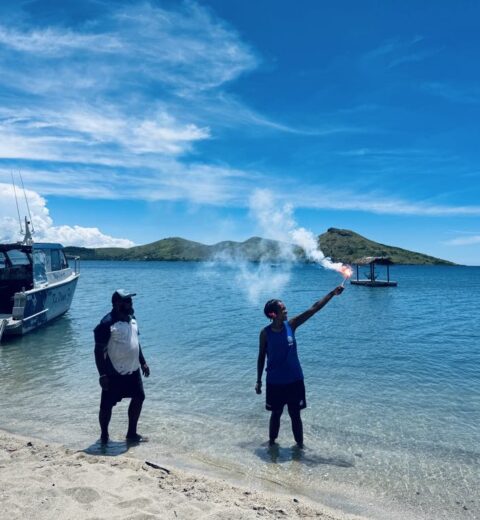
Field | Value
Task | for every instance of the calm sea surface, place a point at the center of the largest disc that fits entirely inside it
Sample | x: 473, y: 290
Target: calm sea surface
x: 393, y: 382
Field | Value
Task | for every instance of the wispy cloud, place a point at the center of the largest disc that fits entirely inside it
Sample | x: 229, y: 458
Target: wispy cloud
x: 467, y: 239
x: 134, y: 90
x: 217, y: 185
x: 117, y: 83
x: 457, y: 94
x: 372, y: 202
x: 395, y: 52
x: 51, y: 42
x: 137, y: 91
x: 163, y: 179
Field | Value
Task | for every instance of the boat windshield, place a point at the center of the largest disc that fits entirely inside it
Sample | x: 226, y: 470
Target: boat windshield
x: 18, y: 257
x: 39, y: 267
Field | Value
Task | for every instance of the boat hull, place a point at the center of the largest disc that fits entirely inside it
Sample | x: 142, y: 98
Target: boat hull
x: 40, y: 306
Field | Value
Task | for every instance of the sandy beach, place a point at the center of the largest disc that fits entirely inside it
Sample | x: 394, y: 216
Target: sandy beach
x: 43, y: 480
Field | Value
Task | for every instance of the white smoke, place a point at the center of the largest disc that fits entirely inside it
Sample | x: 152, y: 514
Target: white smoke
x: 45, y: 231
x: 254, y: 279
x: 278, y: 222
x: 268, y: 278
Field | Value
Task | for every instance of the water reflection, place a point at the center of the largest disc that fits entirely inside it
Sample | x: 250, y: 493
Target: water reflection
x: 43, y: 354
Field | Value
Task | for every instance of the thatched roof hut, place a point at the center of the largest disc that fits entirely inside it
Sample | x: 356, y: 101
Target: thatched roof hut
x: 371, y: 278
x: 380, y: 260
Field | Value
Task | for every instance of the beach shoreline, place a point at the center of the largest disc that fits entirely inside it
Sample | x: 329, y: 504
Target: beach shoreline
x: 47, y: 480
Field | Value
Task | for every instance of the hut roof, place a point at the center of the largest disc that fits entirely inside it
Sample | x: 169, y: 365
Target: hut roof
x: 380, y: 260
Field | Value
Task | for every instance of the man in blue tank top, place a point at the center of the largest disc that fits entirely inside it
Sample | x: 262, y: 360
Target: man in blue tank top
x: 285, y: 384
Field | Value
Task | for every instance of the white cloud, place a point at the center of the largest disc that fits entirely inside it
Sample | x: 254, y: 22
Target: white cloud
x: 394, y: 52
x: 214, y: 185
x: 464, y: 241
x: 54, y: 42
x: 453, y: 93
x: 124, y: 83
x: 134, y: 91
x: 45, y: 230
x: 318, y: 197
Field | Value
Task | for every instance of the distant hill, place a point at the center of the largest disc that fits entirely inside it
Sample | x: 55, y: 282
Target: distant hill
x: 343, y: 245
x: 174, y: 249
x: 339, y: 244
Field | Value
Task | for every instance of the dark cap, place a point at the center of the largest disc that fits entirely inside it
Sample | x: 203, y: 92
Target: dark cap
x: 122, y: 294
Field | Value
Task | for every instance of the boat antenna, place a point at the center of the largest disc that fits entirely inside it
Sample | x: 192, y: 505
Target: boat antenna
x: 26, y: 202
x: 16, y: 201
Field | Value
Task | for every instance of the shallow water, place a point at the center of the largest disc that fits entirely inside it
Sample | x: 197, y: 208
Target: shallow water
x: 392, y: 376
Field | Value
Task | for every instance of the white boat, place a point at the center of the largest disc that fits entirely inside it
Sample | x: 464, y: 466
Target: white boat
x: 36, y: 285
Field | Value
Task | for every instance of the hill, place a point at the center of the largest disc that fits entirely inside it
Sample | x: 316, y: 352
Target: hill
x: 343, y: 245
x: 339, y: 244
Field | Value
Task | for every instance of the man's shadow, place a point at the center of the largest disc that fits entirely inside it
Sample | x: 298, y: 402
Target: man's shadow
x: 277, y: 454
x: 110, y: 448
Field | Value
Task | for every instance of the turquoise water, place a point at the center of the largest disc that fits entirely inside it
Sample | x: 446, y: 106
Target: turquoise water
x: 392, y: 376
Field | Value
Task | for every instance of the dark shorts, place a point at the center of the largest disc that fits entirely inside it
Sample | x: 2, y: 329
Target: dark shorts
x: 130, y: 385
x: 292, y: 394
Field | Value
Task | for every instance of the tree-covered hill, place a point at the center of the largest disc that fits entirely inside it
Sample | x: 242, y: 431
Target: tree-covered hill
x: 340, y: 245
x: 343, y: 245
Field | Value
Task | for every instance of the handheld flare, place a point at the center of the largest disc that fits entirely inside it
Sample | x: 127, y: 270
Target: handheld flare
x: 346, y: 271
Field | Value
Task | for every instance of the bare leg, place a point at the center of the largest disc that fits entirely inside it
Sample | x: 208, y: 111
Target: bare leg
x: 134, y: 411
x: 274, y: 425
x: 297, y: 426
x: 104, y: 417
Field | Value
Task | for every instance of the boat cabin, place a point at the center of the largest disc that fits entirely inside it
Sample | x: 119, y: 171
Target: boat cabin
x: 25, y: 267
x: 371, y: 277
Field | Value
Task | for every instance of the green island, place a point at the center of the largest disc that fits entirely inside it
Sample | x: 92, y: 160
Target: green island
x: 341, y: 245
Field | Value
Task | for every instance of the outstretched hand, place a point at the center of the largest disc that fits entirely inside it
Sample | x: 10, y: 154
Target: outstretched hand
x: 145, y: 370
x: 338, y: 290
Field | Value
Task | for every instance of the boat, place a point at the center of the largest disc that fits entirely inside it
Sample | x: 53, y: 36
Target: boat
x: 371, y: 278
x: 37, y: 284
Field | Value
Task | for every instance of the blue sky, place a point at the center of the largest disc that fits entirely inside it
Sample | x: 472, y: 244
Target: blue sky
x: 135, y: 121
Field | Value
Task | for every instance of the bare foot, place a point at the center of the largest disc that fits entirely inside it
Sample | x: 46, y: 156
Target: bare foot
x: 136, y: 438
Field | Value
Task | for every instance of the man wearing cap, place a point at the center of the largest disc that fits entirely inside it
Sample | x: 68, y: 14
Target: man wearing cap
x: 119, y: 358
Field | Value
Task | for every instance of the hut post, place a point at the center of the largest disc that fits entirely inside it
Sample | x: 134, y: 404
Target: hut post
x: 388, y: 273
x: 372, y: 271
x: 357, y: 272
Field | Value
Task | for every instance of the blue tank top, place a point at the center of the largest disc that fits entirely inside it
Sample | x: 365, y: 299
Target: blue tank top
x: 283, y: 366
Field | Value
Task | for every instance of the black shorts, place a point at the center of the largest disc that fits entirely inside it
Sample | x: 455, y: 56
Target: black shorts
x: 130, y: 385
x: 292, y: 394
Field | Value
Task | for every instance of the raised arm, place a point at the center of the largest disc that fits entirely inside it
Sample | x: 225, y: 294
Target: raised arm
x: 262, y: 353
x: 304, y: 316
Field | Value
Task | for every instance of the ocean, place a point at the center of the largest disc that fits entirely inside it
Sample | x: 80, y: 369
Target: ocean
x: 392, y: 428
